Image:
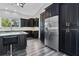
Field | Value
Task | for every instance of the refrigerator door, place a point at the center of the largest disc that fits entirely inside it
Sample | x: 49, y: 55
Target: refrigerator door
x: 47, y: 31
x: 52, y: 35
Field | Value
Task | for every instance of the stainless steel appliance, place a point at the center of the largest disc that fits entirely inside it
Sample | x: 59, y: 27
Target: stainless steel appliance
x: 52, y: 33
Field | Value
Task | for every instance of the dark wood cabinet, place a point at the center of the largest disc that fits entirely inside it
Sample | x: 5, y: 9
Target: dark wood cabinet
x: 42, y: 23
x: 68, y: 28
x: 4, y: 49
x: 36, y: 22
x: 62, y: 40
x: 52, y: 10
x: 18, y: 43
x: 31, y: 22
x: 67, y: 42
x: 35, y: 34
x: 1, y: 45
x: 24, y: 22
x: 21, y: 43
x: 73, y: 37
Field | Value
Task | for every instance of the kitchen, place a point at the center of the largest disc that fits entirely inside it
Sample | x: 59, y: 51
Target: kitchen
x: 39, y: 29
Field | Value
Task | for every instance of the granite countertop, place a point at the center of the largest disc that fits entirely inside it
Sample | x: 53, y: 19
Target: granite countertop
x: 12, y: 33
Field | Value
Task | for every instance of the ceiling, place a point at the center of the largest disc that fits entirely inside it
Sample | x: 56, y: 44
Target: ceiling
x: 29, y: 9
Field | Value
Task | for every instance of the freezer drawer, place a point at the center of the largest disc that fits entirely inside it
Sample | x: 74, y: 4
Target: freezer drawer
x: 52, y: 39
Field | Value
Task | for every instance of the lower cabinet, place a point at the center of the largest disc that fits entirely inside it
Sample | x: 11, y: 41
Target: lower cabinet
x: 62, y: 40
x: 73, y: 37
x: 20, y: 45
x: 4, y: 49
x: 69, y: 42
x: 77, y: 52
x: 33, y: 34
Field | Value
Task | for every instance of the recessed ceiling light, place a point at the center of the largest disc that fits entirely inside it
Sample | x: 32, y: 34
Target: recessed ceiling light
x: 14, y: 10
x: 6, y: 8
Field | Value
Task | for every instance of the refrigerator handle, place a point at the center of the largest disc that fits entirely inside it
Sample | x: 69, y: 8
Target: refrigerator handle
x: 46, y: 29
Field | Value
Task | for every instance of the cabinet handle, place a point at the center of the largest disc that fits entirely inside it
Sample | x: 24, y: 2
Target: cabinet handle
x: 67, y: 30
x: 66, y: 23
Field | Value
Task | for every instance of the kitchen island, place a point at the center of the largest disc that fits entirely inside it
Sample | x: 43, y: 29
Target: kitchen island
x: 12, y: 40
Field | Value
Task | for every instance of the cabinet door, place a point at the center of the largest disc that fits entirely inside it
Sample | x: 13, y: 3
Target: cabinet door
x: 22, y: 23
x: 62, y: 40
x: 26, y: 23
x: 36, y: 22
x: 31, y: 22
x: 67, y: 42
x: 55, y: 9
x: 73, y: 14
x: 63, y: 15
x: 73, y: 27
x: 77, y: 43
x: 73, y: 37
x: 69, y: 12
x: 4, y: 49
x: 77, y: 16
x: 1, y: 45
x: 48, y: 12
x: 21, y: 43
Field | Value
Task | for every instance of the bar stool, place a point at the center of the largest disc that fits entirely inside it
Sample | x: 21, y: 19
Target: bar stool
x: 10, y: 40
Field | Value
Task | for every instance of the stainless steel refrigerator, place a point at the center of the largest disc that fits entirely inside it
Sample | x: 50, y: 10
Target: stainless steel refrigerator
x: 52, y: 32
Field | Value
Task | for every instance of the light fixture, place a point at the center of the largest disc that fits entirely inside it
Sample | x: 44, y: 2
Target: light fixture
x: 21, y: 4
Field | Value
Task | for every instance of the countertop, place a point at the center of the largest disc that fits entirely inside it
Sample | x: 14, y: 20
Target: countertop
x: 19, y: 29
x: 12, y: 33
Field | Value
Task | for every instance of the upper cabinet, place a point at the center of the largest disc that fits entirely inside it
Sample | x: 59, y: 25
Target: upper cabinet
x: 52, y: 10
x: 32, y: 22
x: 36, y: 22
x: 42, y: 16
